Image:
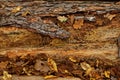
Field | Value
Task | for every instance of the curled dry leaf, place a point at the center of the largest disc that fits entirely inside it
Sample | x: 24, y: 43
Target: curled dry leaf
x: 110, y: 16
x: 6, y: 76
x: 52, y: 64
x: 49, y: 76
x: 78, y: 24
x: 88, y: 71
x: 16, y: 9
x: 72, y: 59
x: 85, y: 66
x: 107, y: 74
x: 62, y: 18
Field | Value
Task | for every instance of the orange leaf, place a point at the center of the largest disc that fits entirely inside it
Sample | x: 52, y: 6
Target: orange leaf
x: 78, y: 24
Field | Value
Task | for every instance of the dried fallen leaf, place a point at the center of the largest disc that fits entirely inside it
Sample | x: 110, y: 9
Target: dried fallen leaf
x: 72, y: 59
x: 27, y: 72
x: 52, y: 65
x: 88, y: 71
x: 110, y: 16
x: 107, y: 74
x: 78, y: 24
x: 6, y: 76
x: 3, y: 65
x: 25, y: 13
x: 50, y: 76
x: 62, y: 18
x: 16, y: 9
x: 85, y: 65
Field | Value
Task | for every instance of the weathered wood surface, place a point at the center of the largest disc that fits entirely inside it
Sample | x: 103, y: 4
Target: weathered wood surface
x: 38, y: 9
x: 30, y: 33
x: 20, y: 21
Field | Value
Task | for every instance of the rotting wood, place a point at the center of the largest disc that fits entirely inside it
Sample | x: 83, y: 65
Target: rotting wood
x: 32, y: 32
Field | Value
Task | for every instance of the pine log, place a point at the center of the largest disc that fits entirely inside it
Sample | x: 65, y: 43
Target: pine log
x: 55, y: 38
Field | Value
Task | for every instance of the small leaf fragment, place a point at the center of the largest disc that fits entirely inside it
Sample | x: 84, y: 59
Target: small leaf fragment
x: 78, y: 24
x: 52, y: 65
x: 88, y: 71
x: 107, y: 74
x: 72, y: 59
x: 85, y: 65
x: 50, y: 76
x: 110, y: 16
x: 66, y: 71
x: 62, y: 18
x: 6, y: 76
x: 27, y: 72
x: 3, y: 65
x: 16, y: 9
x: 25, y: 13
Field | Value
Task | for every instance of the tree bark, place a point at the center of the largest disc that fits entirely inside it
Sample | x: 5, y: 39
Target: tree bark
x: 65, y: 32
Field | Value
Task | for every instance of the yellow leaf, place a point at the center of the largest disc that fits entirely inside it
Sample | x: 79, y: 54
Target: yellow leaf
x: 6, y: 76
x: 107, y: 74
x: 85, y: 65
x: 72, y: 59
x: 49, y: 77
x: 16, y: 9
x: 88, y: 71
x: 62, y: 18
x: 52, y: 65
x: 78, y: 24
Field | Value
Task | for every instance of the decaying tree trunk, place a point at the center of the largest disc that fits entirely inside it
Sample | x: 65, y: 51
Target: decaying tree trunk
x: 75, y: 38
